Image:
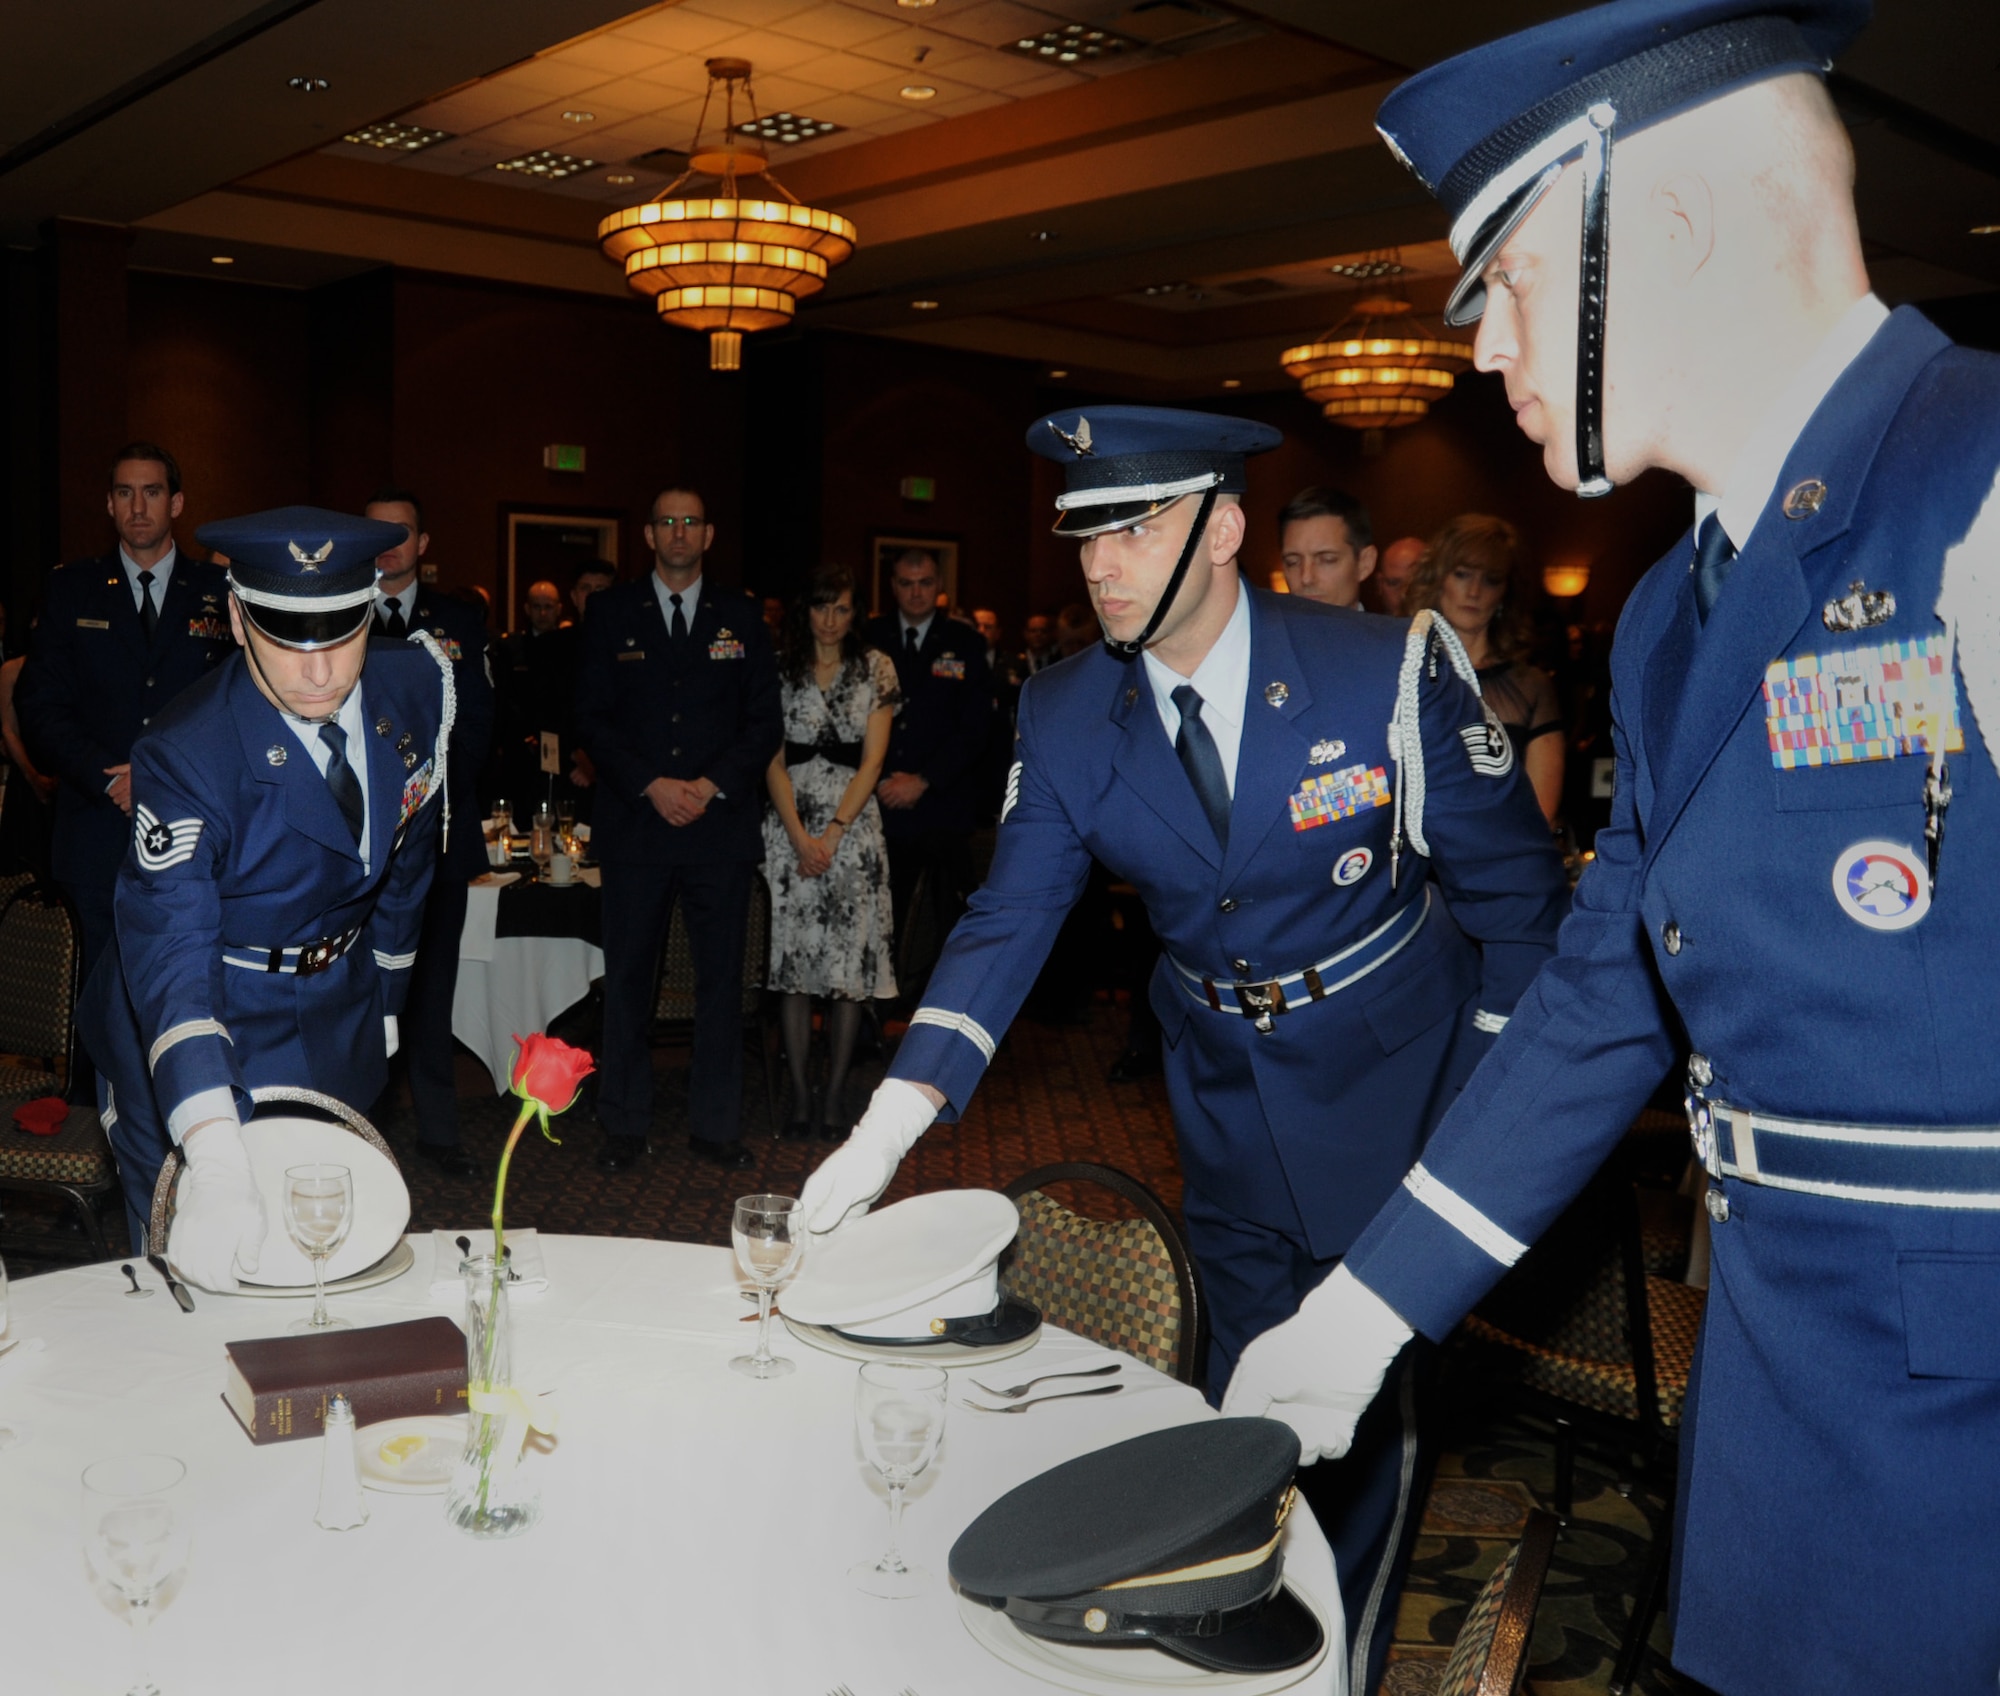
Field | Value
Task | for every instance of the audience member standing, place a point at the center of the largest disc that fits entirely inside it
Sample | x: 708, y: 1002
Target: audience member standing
x: 1474, y: 575
x: 536, y: 680
x: 824, y: 852
x: 1391, y: 580
x: 120, y: 636
x: 677, y: 701
x: 931, y: 782
x: 1038, y: 637
x: 1326, y: 545
x: 402, y: 607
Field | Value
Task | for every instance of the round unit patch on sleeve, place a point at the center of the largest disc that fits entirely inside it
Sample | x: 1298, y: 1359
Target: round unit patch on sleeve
x: 1881, y: 885
x: 1352, y: 866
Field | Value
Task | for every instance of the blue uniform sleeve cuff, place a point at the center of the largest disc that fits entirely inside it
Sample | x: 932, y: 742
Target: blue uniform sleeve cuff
x: 1423, y: 1267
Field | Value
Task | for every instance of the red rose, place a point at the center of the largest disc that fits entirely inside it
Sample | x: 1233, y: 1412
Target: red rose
x: 548, y: 1073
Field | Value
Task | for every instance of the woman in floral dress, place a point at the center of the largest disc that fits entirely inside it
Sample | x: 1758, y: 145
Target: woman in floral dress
x: 824, y: 854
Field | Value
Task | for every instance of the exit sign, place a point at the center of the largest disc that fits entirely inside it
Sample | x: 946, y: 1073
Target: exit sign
x: 918, y: 488
x: 563, y: 456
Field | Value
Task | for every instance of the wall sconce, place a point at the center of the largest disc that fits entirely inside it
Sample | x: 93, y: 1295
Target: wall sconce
x: 1566, y: 582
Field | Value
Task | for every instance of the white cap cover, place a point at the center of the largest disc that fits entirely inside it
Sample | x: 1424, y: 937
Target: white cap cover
x: 903, y: 1271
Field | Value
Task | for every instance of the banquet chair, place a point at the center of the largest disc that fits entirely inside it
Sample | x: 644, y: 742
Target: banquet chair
x: 674, y: 1003
x: 1490, y: 1655
x: 1127, y: 1283
x: 40, y: 967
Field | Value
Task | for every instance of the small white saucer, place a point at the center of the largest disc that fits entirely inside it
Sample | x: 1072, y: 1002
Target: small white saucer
x: 427, y: 1472
x: 930, y: 1354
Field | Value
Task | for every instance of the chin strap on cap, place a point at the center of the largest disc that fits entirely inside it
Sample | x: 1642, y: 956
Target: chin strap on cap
x: 1594, y: 283
x: 1132, y: 649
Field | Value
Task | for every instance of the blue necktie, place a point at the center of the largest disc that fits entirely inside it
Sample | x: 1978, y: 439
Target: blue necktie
x: 1201, y: 762
x: 1714, y: 559
x: 341, y: 780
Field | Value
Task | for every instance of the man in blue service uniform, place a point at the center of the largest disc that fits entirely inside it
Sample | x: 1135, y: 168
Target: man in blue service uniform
x: 1796, y: 894
x: 285, y: 817
x: 404, y: 606
x: 120, y: 636
x: 1278, y: 779
x: 677, y: 701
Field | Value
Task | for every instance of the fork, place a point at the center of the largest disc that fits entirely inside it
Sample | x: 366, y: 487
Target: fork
x: 1023, y: 1389
x: 1042, y: 1401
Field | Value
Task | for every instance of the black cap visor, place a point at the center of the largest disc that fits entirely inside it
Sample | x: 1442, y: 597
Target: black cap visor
x: 307, y: 630
x: 1007, y: 1323
x: 1285, y: 1633
x: 1468, y: 296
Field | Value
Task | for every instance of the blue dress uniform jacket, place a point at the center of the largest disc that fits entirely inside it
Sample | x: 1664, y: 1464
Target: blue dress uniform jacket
x: 461, y: 633
x: 256, y: 856
x: 940, y: 731
x: 706, y: 706
x: 1307, y: 1128
x: 92, y: 684
x: 1840, y: 1483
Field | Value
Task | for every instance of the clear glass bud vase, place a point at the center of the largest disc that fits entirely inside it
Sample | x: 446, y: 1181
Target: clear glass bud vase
x: 492, y: 1494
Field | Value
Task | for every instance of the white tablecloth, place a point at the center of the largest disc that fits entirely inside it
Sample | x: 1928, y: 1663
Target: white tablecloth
x: 513, y: 986
x: 697, y: 1525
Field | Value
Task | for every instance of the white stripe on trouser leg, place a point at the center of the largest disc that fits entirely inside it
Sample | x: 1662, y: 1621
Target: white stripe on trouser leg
x: 1462, y: 1216
x: 966, y: 1026
x: 1361, y: 1637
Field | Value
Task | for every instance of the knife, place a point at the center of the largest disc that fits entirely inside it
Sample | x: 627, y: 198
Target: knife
x: 175, y: 1287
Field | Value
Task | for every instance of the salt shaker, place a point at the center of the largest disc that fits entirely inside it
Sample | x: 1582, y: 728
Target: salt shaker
x: 341, y: 1503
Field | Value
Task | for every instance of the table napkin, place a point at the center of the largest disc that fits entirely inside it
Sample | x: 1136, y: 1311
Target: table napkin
x: 524, y: 1256
x: 482, y: 913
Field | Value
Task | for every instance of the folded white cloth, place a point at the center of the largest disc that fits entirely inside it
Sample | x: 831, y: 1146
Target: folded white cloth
x: 524, y: 1259
x: 482, y: 914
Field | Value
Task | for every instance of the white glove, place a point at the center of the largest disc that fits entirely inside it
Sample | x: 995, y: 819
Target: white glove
x: 219, y: 1212
x: 854, y: 1174
x: 1320, y: 1369
x: 390, y: 1037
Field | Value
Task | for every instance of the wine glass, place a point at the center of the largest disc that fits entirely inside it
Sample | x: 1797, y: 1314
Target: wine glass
x: 566, y: 827
x: 135, y: 1537
x: 769, y: 1232
x: 899, y: 1414
x: 319, y: 1207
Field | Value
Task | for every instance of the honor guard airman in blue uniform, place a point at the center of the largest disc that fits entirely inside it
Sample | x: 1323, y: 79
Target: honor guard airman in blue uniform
x: 1796, y: 902
x: 285, y: 825
x: 1321, y: 818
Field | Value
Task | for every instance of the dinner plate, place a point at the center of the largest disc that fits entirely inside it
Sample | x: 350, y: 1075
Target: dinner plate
x: 930, y: 1354
x: 392, y: 1265
x: 427, y: 1472
x: 1108, y: 1671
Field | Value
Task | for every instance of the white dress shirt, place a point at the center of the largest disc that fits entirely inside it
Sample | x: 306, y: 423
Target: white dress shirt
x: 354, y: 721
x: 162, y: 574
x: 923, y: 630
x: 690, y: 599
x: 404, y: 600
x: 1222, y: 680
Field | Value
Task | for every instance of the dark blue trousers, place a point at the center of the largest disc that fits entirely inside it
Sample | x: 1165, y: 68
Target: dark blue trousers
x: 638, y: 906
x: 425, y: 1027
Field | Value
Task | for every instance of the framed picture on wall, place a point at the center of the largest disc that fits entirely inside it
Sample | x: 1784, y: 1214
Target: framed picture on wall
x: 886, y: 550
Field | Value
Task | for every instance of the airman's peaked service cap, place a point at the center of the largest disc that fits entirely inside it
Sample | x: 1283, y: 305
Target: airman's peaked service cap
x: 304, y: 576
x: 1125, y: 463
x: 1488, y: 132
x: 1173, y: 1540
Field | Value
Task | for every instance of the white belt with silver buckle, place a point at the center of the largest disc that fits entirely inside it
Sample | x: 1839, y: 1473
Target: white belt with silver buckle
x: 1261, y: 1000
x: 1947, y: 1166
x: 302, y: 961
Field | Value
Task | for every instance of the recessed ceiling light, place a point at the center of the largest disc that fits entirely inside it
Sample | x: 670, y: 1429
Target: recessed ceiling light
x: 1986, y: 229
x: 923, y: 306
x: 787, y: 127
x: 1368, y: 270
x: 618, y: 179
x: 308, y: 85
x: 1044, y: 235
x: 1071, y: 44
x: 393, y: 137
x: 1232, y: 382
x: 1058, y: 374
x: 550, y: 167
x: 916, y: 5
x: 221, y: 259
x: 579, y: 117
x: 1162, y: 288
x: 919, y: 91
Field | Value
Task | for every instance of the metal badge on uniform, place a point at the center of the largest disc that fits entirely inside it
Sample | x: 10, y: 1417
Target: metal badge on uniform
x: 1325, y: 753
x: 409, y: 760
x: 1881, y: 885
x: 632, y: 653
x: 1802, y: 500
x: 1861, y: 608
x: 403, y: 741
x: 1878, y: 703
x: 383, y: 727
x: 945, y: 665
x: 93, y: 624
x: 161, y: 845
x: 311, y: 561
x: 725, y: 647
x: 275, y: 754
x: 415, y: 792
x: 1277, y: 694
x: 1352, y: 866
x: 1338, y: 795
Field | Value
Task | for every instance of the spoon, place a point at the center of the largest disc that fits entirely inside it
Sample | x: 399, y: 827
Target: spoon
x: 135, y: 1290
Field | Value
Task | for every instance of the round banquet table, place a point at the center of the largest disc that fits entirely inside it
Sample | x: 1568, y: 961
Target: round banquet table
x: 697, y: 1525
x: 522, y: 961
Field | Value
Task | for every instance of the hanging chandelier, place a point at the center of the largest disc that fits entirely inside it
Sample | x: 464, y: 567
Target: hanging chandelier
x: 1379, y: 367
x: 722, y: 261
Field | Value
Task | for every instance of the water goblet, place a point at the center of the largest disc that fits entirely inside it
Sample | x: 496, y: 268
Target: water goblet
x: 899, y: 1415
x: 319, y: 1207
x: 769, y: 1232
x: 136, y: 1539
x: 566, y: 826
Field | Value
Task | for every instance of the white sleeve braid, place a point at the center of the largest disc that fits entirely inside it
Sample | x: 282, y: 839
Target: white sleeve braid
x: 1406, y: 729
x: 439, y: 755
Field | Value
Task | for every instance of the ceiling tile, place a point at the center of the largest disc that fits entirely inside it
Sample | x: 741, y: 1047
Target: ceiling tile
x: 603, y: 115
x: 991, y: 70
x: 523, y: 135
x: 990, y: 22
x: 842, y: 72
x: 678, y: 30
x: 857, y: 112
x: 889, y: 89
x: 768, y: 51
x: 903, y: 121
x: 544, y: 77
x: 473, y: 108
x: 750, y: 14
x: 833, y: 25
x: 632, y: 96
x: 608, y: 55
x: 973, y: 100
x: 673, y: 128
x: 454, y: 159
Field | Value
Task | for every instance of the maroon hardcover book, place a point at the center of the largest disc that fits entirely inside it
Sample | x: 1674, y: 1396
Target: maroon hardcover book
x: 278, y: 1386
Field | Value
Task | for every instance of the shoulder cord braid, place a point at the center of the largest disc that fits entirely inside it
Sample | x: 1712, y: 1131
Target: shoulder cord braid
x: 439, y: 755
x: 1428, y: 632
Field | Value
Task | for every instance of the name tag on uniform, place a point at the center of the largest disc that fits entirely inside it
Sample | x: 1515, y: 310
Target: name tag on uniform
x: 725, y: 647
x: 633, y: 654
x: 948, y: 667
x: 208, y: 628
x: 415, y: 793
x: 1874, y: 703
x: 1338, y: 795
x: 93, y: 624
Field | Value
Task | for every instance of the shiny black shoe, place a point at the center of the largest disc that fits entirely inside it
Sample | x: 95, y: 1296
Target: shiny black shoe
x: 621, y: 1154
x: 731, y: 1156
x: 450, y: 1159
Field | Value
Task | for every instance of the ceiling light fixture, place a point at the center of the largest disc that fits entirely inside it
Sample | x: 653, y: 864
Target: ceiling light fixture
x: 393, y: 137
x: 919, y: 91
x: 550, y: 167
x: 923, y: 306
x: 1058, y: 375
x: 1381, y: 366
x: 221, y: 259
x: 1044, y: 235
x: 722, y: 262
x: 1367, y: 270
x: 308, y: 85
x: 788, y: 127
x: 916, y: 5
x: 1071, y: 44
x: 1986, y: 229
x: 1232, y: 382
x: 620, y: 179
x: 579, y: 117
